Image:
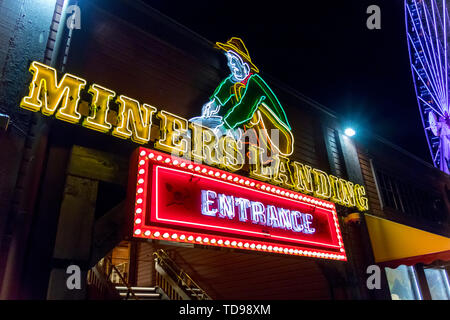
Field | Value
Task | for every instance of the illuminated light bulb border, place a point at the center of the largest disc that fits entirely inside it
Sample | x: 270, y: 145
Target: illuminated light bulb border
x: 143, y: 231
x: 158, y: 233
x: 200, y: 169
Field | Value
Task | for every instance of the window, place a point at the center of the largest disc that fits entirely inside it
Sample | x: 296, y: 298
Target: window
x: 403, y: 283
x: 409, y: 199
x: 437, y: 280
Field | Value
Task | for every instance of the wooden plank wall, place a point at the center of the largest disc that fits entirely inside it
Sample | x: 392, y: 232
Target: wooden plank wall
x: 145, y: 265
x: 224, y: 274
x: 336, y: 161
x: 369, y: 183
x: 408, y: 170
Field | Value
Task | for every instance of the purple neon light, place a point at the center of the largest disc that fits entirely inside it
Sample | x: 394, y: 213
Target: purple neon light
x: 427, y: 22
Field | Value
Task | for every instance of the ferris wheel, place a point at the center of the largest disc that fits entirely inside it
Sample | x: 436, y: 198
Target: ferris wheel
x: 427, y: 28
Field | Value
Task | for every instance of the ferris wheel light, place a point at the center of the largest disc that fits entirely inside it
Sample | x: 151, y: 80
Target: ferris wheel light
x: 349, y: 132
x: 430, y: 71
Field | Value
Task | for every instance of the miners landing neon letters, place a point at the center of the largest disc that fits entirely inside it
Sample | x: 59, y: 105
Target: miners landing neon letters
x: 178, y: 136
x: 224, y: 206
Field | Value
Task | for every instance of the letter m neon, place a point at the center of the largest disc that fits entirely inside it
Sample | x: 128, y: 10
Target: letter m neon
x: 46, y: 94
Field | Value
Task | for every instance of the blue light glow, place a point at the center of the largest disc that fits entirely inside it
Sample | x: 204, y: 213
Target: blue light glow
x: 426, y: 25
x: 224, y: 206
x: 349, y: 132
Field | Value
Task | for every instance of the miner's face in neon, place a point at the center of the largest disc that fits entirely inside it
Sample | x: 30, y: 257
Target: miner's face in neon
x: 239, y: 69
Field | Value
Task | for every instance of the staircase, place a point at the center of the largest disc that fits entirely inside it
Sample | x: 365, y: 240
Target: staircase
x: 102, y: 285
x: 172, y: 283
x: 141, y: 293
x: 175, y: 281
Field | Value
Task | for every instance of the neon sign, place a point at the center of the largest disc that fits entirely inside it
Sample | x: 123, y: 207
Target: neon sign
x: 178, y: 200
x: 223, y: 206
x: 244, y: 101
x: 187, y: 139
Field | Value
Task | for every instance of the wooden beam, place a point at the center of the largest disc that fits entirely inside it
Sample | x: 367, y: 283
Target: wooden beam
x: 98, y: 165
x: 76, y: 220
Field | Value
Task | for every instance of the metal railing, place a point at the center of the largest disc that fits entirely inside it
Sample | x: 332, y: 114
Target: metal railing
x: 175, y: 281
x: 99, y: 278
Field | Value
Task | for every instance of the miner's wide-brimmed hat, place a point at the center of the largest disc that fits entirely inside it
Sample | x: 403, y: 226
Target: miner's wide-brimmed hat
x: 238, y: 46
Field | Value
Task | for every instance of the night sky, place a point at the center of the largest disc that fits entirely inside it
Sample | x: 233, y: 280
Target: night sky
x: 324, y: 50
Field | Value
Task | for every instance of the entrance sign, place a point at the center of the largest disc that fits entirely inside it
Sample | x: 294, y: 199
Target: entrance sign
x: 175, y: 199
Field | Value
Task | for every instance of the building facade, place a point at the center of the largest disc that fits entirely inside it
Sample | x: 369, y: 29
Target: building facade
x: 70, y: 185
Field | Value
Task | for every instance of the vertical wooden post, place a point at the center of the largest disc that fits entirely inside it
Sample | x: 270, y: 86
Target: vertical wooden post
x: 74, y: 237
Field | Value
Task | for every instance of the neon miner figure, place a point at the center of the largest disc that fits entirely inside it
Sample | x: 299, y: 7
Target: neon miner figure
x: 243, y: 101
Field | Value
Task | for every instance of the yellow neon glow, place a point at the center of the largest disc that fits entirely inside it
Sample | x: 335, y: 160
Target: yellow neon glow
x: 258, y: 169
x: 230, y: 155
x: 348, y: 193
x: 204, y: 144
x: 62, y: 99
x: 237, y: 45
x: 46, y: 93
x: 135, y: 120
x: 336, y: 191
x: 286, y: 150
x: 303, y: 177
x: 173, y: 133
x: 362, y: 203
x: 322, y: 184
x: 99, y: 109
x: 283, y: 175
